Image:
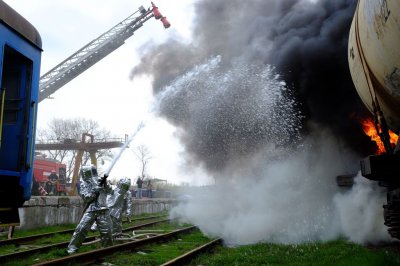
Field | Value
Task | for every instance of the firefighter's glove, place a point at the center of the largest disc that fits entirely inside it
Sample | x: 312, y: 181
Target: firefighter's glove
x: 102, y: 180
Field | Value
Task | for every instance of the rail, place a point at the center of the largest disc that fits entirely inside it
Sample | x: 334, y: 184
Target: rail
x: 188, y: 256
x: 23, y: 254
x: 31, y: 238
x: 139, y: 239
x: 93, y: 256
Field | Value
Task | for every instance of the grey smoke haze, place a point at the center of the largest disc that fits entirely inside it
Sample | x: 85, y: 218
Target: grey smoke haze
x: 288, y: 200
x: 264, y: 101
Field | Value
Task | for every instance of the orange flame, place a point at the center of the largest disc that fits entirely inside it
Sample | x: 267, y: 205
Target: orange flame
x: 369, y: 129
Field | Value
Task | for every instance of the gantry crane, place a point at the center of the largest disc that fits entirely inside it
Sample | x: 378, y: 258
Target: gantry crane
x: 96, y: 50
x: 90, y: 146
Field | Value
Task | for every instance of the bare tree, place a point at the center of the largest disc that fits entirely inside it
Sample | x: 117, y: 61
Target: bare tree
x: 144, y: 156
x: 69, y: 131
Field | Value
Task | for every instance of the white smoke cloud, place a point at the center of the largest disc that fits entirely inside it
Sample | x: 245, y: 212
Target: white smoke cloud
x: 361, y: 213
x: 288, y: 200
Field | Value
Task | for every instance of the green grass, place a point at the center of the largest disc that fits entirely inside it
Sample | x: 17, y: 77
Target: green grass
x: 339, y: 252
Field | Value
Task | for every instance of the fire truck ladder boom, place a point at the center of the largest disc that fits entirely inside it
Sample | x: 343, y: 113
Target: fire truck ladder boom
x: 96, y: 50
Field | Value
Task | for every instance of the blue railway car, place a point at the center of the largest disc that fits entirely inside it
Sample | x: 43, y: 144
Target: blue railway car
x: 20, y: 54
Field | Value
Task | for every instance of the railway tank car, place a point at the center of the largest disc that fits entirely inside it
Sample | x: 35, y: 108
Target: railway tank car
x: 374, y: 61
x: 20, y: 55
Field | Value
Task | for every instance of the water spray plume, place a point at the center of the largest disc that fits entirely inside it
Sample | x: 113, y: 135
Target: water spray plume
x: 230, y: 113
x: 122, y: 149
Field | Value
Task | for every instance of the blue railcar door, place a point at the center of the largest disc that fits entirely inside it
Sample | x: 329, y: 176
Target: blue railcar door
x: 15, y: 94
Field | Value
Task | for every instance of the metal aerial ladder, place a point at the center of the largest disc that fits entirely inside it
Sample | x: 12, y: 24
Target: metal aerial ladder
x: 96, y: 50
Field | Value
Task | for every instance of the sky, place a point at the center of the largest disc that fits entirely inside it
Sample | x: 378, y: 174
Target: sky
x: 105, y: 92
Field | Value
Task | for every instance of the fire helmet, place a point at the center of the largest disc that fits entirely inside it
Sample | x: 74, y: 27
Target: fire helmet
x: 124, y: 183
x: 88, y: 171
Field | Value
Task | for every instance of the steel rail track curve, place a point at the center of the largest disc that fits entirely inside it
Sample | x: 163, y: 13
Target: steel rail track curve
x: 188, y: 256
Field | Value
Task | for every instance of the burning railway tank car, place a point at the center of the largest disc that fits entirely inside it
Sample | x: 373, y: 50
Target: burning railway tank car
x: 374, y: 60
x: 20, y: 55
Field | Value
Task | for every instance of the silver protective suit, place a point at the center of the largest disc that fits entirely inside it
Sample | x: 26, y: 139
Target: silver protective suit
x: 94, y: 194
x: 120, y: 203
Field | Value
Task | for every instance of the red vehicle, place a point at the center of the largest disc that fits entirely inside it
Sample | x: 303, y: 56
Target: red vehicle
x: 42, y: 169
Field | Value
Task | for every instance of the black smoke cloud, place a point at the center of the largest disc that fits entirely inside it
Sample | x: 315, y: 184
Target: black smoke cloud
x: 305, y: 42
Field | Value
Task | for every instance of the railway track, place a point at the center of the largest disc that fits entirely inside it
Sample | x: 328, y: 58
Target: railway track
x: 96, y: 256
x: 32, y: 238
x: 38, y: 250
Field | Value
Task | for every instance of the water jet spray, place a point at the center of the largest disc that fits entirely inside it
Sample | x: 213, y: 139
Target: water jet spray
x: 127, y: 142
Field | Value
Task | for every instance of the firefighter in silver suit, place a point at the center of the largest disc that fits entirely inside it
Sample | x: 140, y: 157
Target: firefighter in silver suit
x: 94, y: 191
x: 120, y: 204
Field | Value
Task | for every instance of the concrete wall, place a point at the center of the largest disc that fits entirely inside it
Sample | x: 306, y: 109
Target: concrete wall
x: 42, y: 211
x: 152, y: 205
